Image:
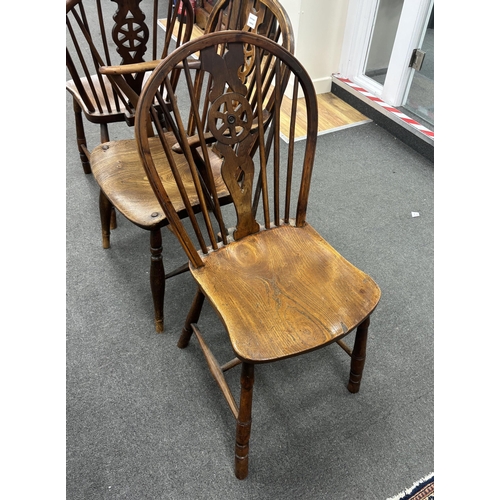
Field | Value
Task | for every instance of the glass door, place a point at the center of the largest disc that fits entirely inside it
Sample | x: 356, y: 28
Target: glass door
x: 380, y: 39
x: 419, y: 100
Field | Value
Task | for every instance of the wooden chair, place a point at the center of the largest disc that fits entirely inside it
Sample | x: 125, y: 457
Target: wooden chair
x: 265, y: 17
x: 278, y: 287
x: 110, y: 51
x: 118, y: 170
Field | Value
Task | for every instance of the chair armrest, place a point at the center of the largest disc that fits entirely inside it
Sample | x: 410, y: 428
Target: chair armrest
x: 194, y: 142
x: 127, y: 69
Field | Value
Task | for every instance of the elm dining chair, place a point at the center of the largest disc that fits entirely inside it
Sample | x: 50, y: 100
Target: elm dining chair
x: 279, y: 288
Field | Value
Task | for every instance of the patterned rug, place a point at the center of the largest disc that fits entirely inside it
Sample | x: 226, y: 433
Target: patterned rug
x: 421, y: 490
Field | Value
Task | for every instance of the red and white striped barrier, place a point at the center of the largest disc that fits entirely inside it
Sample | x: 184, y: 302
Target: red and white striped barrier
x: 388, y: 107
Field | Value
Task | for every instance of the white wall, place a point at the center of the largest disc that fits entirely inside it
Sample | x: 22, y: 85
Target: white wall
x: 318, y: 27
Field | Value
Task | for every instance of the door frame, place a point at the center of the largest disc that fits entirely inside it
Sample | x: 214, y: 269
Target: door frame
x: 360, y: 21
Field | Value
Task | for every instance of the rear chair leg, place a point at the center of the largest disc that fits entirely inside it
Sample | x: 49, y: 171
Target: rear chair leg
x: 192, y: 317
x: 358, y: 356
x: 244, y: 422
x: 105, y: 213
x: 81, y: 140
x: 157, y: 277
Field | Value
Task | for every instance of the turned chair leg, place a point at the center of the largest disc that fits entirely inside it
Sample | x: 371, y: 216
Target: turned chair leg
x: 358, y: 356
x: 192, y: 317
x: 112, y: 220
x: 105, y: 138
x: 244, y: 422
x: 157, y: 277
x: 81, y: 140
x: 105, y: 213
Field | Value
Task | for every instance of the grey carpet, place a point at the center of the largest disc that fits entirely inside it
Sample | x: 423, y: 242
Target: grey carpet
x: 145, y: 420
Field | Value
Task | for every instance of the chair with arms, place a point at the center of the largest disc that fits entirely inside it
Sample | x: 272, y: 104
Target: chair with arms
x: 265, y: 17
x: 111, y: 47
x: 278, y: 287
x: 123, y: 183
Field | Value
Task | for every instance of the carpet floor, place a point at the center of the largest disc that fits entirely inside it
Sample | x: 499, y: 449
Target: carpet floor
x: 420, y: 490
x: 145, y: 420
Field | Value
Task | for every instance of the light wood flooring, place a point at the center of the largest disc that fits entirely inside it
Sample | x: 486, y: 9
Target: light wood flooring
x: 334, y: 113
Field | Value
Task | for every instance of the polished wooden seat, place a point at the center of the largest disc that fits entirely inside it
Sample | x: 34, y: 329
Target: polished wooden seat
x: 278, y: 287
x: 294, y: 276
x: 117, y: 167
x: 111, y: 48
x: 135, y: 199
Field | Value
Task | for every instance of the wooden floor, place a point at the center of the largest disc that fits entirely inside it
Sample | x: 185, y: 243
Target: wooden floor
x: 334, y: 113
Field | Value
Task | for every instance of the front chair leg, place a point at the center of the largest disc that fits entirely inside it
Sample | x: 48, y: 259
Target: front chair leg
x: 112, y: 222
x: 105, y: 213
x: 157, y: 277
x: 244, y: 422
x: 105, y: 138
x: 358, y: 356
x: 192, y: 317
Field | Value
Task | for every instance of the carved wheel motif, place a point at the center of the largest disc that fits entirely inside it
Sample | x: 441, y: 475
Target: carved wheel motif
x: 249, y: 54
x: 230, y: 118
x: 131, y: 35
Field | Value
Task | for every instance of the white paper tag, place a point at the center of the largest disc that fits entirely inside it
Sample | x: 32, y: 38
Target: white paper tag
x: 252, y: 20
x: 415, y: 214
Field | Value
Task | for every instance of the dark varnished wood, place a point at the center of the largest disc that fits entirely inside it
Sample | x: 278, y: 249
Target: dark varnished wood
x: 105, y: 99
x: 117, y: 167
x: 128, y: 36
x: 264, y: 17
x: 105, y: 209
x: 358, y: 356
x: 217, y: 372
x: 191, y: 319
x: 157, y: 277
x: 278, y: 287
x: 118, y: 170
x: 244, y: 421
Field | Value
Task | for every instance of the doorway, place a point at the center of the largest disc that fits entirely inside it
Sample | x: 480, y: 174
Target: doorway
x: 419, y: 101
x: 389, y: 50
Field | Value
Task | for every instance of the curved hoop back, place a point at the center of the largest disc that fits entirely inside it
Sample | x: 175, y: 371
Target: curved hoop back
x: 264, y: 176
x: 264, y: 17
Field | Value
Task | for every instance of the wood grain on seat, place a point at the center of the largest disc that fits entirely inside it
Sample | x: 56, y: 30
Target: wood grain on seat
x: 118, y: 170
x: 285, y: 291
